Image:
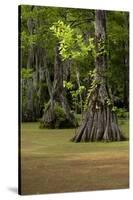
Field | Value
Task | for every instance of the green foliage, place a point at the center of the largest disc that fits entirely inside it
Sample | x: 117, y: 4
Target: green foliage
x: 73, y: 30
x: 102, y: 47
x: 68, y: 85
x: 26, y: 73
x: 59, y: 113
x: 81, y: 89
x: 109, y: 102
x: 72, y: 45
x: 118, y: 39
x: 74, y: 92
x: 27, y: 40
x: 92, y: 73
x: 77, y: 92
x: 114, y: 108
x: 121, y: 113
x: 94, y: 84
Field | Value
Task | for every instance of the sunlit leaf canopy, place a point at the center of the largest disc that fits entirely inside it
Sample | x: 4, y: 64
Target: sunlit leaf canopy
x: 72, y: 44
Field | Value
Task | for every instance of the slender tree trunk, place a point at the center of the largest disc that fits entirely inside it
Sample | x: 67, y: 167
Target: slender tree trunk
x: 66, y: 70
x: 80, y: 96
x: 57, y: 113
x: 100, y: 122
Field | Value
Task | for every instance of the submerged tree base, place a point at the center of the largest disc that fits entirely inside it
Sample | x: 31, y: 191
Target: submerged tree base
x: 100, y: 121
x: 99, y: 125
x: 57, y: 118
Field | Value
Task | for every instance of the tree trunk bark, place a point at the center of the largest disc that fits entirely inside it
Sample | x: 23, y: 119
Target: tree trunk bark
x: 126, y: 78
x: 100, y: 122
x: 80, y: 96
x: 57, y: 113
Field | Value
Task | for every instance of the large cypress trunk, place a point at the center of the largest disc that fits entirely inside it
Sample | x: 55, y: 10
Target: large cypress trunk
x: 57, y: 113
x: 100, y: 121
